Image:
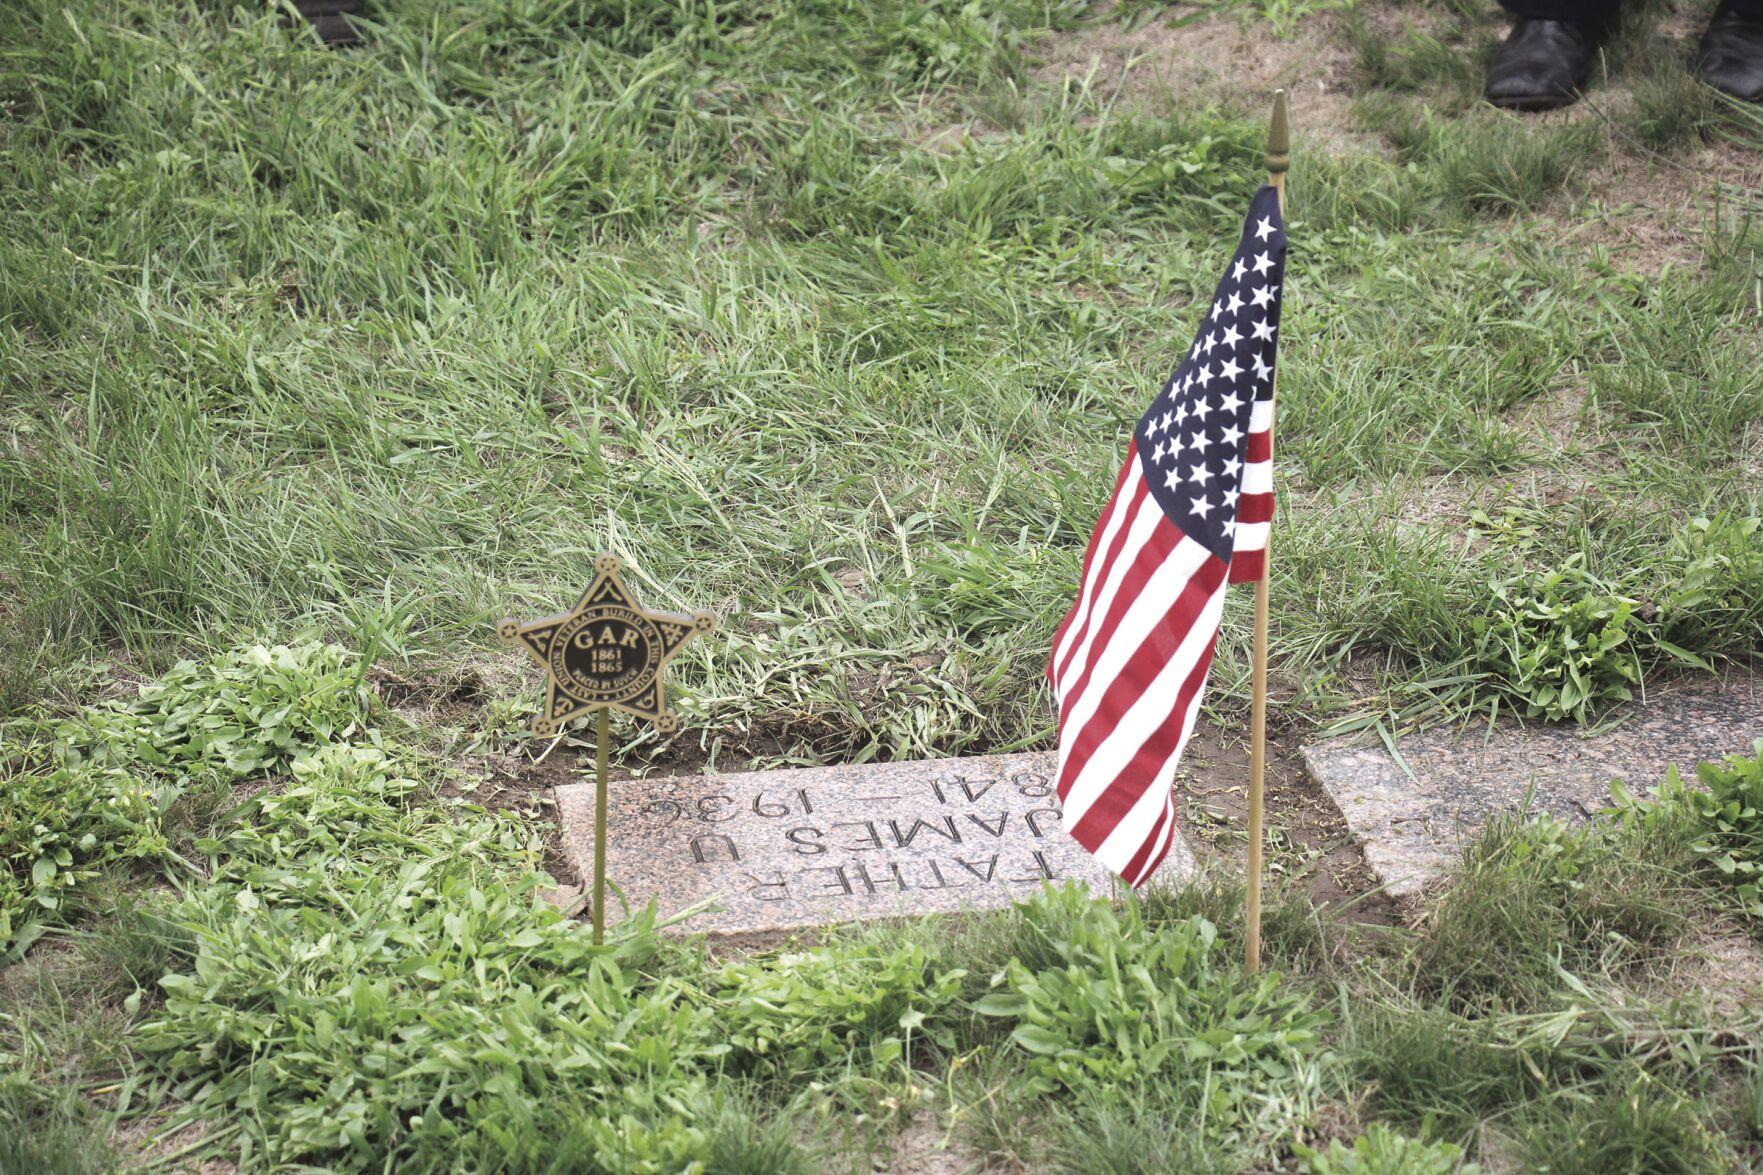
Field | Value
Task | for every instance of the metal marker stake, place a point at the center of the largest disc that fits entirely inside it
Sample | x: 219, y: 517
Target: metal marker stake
x: 601, y: 754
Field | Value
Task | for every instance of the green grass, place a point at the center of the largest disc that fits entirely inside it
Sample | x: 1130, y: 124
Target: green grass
x: 1535, y: 896
x: 385, y: 344
x: 373, y: 347
x: 355, y: 971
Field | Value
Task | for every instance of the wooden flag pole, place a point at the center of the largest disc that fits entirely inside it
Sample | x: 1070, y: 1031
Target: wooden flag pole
x: 1278, y: 160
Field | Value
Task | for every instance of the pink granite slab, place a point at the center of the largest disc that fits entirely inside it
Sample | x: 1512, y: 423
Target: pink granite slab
x: 1415, y: 823
x: 783, y: 850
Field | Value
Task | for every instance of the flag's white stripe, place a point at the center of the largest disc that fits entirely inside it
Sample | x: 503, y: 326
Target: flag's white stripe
x: 1163, y: 782
x: 1115, y: 514
x: 1157, y: 850
x: 1258, y: 477
x: 1149, y: 710
x: 1143, y: 524
x: 1252, y: 536
x: 1261, y: 416
x: 1147, y: 611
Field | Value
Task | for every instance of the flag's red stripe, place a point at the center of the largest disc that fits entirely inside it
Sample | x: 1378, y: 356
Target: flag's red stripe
x: 1159, y: 845
x: 1132, y: 457
x: 1113, y: 804
x: 1155, y: 865
x: 1248, y: 566
x: 1156, y: 650
x: 1259, y: 446
x: 1255, y: 508
x: 1134, y: 493
x: 1140, y: 491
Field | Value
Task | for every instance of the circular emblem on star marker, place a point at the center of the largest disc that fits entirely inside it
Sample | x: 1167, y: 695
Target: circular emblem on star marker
x: 607, y: 653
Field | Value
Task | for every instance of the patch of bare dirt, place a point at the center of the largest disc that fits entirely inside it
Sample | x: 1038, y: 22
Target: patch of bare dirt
x: 1727, y: 968
x: 1555, y: 418
x: 439, y: 695
x: 140, y: 1144
x: 1441, y: 501
x: 1309, y: 841
x: 1648, y: 211
x: 855, y: 581
x: 1155, y: 65
x: 1334, y: 1121
x: 924, y: 1147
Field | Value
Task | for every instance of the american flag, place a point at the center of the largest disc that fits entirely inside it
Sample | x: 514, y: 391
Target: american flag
x: 1190, y: 513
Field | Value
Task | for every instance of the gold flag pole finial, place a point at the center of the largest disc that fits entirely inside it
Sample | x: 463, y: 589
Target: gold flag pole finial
x: 1279, y: 138
x: 1279, y: 159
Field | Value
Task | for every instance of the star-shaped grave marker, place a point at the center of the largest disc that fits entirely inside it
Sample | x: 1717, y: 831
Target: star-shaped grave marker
x: 607, y: 651
x: 604, y: 654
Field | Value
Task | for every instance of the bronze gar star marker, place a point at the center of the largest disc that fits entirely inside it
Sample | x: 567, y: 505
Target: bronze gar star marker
x: 606, y: 653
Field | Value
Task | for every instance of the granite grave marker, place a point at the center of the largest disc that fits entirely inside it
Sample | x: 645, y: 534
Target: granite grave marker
x: 1414, y: 823
x: 783, y: 850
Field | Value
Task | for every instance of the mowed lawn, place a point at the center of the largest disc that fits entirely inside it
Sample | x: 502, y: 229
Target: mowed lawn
x: 834, y: 317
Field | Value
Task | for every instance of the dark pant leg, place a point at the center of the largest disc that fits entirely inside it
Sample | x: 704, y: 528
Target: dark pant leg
x: 1597, y: 10
x: 1573, y: 10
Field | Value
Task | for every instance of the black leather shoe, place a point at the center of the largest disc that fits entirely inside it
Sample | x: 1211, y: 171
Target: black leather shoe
x: 1731, y: 56
x: 1542, y: 65
x: 331, y: 19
